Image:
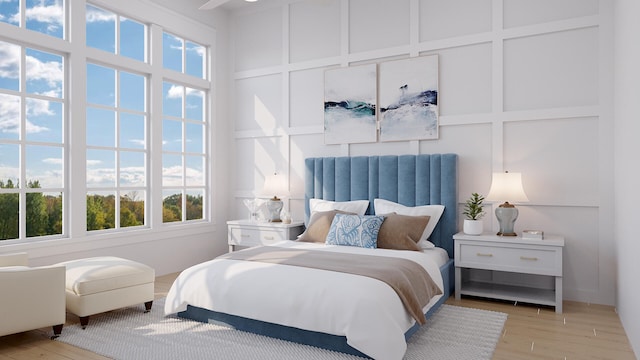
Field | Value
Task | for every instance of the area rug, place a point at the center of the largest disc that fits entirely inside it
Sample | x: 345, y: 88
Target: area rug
x: 453, y: 332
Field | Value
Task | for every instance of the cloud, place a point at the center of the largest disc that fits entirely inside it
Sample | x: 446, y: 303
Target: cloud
x: 137, y: 142
x: 98, y: 15
x: 49, y: 14
x: 175, y: 92
x: 172, y: 176
x: 194, y: 92
x: 9, y: 60
x: 50, y: 71
x: 54, y: 161
x: 34, y: 129
x: 101, y: 177
x: 8, y: 172
x: 132, y: 176
x: 37, y: 107
x: 194, y: 176
x: 9, y: 114
x: 198, y: 49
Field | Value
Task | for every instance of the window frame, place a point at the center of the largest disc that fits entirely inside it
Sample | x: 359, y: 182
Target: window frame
x: 77, y: 55
x: 21, y: 187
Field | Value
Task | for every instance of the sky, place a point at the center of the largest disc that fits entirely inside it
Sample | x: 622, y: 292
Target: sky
x: 117, y: 117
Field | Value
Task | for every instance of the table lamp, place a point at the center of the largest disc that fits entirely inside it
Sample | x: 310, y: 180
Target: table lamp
x: 507, y: 187
x: 274, y: 185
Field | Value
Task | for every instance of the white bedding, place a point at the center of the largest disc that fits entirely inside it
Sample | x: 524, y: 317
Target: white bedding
x: 367, y: 311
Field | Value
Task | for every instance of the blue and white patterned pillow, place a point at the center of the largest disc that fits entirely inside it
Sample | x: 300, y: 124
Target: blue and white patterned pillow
x: 355, y: 230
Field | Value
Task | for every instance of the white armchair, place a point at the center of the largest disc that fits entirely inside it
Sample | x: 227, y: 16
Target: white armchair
x: 30, y: 297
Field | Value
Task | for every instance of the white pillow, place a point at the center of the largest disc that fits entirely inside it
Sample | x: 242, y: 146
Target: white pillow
x: 357, y: 206
x: 433, y: 211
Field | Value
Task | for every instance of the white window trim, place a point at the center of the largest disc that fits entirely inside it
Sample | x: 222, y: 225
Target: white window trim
x: 75, y: 149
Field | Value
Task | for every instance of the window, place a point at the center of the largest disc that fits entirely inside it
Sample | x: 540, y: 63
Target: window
x: 116, y: 120
x: 183, y: 153
x: 43, y: 16
x: 183, y: 56
x: 115, y: 34
x: 32, y: 160
x: 60, y: 179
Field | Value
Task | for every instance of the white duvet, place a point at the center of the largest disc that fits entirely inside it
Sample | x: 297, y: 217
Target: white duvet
x: 367, y: 311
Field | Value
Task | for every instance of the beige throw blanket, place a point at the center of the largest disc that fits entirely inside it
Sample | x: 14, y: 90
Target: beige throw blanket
x: 410, y: 281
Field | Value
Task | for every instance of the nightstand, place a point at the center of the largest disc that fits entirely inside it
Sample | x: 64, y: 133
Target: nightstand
x: 253, y: 233
x: 511, y: 254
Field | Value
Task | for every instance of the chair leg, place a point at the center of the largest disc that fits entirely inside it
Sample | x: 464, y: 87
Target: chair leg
x: 147, y: 306
x: 84, y: 321
x: 57, y: 330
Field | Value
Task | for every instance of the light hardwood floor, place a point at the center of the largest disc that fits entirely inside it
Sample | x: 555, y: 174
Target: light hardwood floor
x: 582, y: 332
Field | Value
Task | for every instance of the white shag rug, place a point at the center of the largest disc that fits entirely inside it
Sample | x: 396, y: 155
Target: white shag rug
x: 129, y: 334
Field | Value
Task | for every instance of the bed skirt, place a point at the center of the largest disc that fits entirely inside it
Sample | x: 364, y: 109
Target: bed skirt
x: 313, y: 338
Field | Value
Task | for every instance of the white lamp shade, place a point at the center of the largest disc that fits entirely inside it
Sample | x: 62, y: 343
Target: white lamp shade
x: 275, y: 185
x: 507, y: 187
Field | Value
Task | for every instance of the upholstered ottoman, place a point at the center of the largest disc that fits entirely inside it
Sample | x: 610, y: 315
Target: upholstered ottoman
x: 100, y: 284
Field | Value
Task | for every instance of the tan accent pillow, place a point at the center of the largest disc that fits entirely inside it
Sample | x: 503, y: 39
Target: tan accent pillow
x: 401, y: 232
x: 319, y: 225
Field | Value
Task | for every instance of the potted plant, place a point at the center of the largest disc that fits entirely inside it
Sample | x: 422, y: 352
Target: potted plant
x: 473, y: 211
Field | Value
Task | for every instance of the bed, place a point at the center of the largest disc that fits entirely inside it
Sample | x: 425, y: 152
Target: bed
x: 324, y: 308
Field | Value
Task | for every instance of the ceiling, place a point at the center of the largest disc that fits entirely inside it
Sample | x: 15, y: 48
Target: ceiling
x: 225, y: 4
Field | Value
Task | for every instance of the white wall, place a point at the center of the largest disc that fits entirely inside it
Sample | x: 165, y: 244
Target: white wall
x: 521, y: 89
x: 627, y: 176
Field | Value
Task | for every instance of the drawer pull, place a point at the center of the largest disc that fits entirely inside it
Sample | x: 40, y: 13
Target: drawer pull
x: 245, y: 236
x: 268, y: 237
x: 528, y: 258
x: 486, y: 255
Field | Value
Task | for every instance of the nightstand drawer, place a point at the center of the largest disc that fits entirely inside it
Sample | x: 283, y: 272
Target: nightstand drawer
x: 253, y: 237
x: 515, y: 259
x: 247, y: 233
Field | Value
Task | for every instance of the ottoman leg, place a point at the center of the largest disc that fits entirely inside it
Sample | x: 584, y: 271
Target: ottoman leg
x: 147, y: 306
x: 57, y: 330
x: 84, y: 321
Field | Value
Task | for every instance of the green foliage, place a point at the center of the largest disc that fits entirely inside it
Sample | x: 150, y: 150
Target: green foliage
x: 44, y: 212
x: 473, y: 207
x: 9, y: 216
x: 172, y: 208
x: 131, y: 210
x: 96, y: 212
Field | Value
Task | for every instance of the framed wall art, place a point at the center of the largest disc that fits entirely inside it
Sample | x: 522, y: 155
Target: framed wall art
x: 408, y: 104
x: 350, y: 104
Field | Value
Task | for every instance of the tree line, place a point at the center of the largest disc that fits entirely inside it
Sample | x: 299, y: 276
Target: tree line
x: 44, y: 211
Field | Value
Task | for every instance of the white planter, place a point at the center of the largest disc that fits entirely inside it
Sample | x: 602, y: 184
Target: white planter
x: 472, y: 227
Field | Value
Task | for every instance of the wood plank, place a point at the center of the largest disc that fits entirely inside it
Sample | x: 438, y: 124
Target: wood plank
x: 582, y: 331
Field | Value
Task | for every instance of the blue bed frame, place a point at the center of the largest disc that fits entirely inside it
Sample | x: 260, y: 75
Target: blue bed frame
x: 410, y: 180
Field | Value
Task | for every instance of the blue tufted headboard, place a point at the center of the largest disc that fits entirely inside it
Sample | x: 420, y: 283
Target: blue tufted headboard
x: 410, y: 180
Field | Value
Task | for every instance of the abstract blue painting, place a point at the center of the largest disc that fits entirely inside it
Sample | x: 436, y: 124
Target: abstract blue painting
x: 350, y: 105
x: 409, y: 99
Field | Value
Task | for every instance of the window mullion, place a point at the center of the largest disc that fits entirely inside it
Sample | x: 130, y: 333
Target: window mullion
x: 22, y: 181
x: 154, y: 130
x: 76, y: 214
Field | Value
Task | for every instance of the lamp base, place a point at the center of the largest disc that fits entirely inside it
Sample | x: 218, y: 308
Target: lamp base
x: 274, y: 206
x: 507, y: 215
